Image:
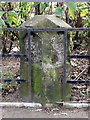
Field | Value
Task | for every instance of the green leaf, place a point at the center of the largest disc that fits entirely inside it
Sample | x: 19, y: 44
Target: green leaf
x: 3, y: 2
x: 12, y: 13
x: 1, y: 13
x: 24, y: 4
x: 78, y: 3
x: 72, y: 7
x: 2, y: 23
x: 42, y: 7
x: 58, y: 11
x: 14, y: 20
x: 83, y: 13
x: 9, y: 19
x: 71, y: 12
x: 35, y: 4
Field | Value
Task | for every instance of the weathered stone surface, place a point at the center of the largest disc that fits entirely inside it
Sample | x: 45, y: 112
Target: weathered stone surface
x: 47, y: 54
x: 47, y: 45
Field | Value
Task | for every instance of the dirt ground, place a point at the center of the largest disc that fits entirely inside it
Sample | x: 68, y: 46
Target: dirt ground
x: 13, y: 112
x: 10, y: 65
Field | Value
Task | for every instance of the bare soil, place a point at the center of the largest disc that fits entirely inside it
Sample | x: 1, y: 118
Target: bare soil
x: 10, y: 64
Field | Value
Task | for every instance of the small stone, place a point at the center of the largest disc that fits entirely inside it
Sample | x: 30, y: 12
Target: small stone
x: 55, y: 109
x: 49, y: 105
x: 64, y: 114
x: 38, y: 110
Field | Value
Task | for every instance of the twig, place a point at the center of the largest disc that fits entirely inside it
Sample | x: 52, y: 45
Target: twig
x: 81, y: 72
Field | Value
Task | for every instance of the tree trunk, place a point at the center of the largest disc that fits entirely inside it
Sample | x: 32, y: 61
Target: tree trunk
x: 37, y: 10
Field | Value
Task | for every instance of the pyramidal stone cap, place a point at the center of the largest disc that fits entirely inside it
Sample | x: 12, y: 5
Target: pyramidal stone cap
x: 45, y: 21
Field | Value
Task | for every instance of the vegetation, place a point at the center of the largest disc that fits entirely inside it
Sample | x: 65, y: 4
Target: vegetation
x: 14, y: 14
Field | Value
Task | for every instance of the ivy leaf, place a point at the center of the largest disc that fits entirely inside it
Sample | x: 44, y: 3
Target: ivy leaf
x: 1, y: 13
x: 2, y: 23
x: 12, y: 13
x: 58, y: 11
